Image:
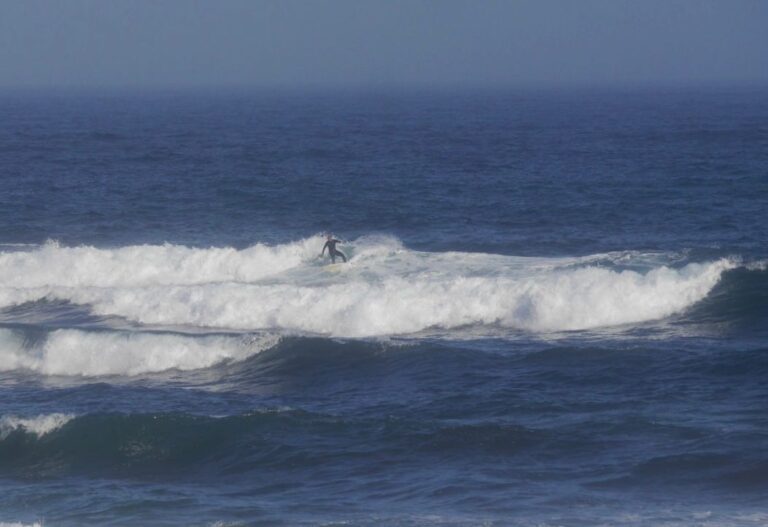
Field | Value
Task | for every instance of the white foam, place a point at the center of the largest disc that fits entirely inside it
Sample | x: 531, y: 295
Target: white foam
x: 85, y: 353
x: 384, y: 290
x: 544, y: 301
x: 39, y: 425
x: 142, y: 265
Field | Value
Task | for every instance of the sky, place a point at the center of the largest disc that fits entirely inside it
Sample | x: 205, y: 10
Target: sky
x: 377, y: 43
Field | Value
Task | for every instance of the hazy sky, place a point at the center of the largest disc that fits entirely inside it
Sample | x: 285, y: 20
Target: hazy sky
x: 380, y: 43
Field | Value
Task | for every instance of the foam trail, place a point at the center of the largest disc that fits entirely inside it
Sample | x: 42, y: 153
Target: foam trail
x: 84, y: 353
x: 39, y: 425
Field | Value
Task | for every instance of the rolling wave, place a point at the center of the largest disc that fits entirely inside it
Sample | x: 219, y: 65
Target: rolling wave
x: 97, y: 353
x: 386, y: 289
x: 156, y: 445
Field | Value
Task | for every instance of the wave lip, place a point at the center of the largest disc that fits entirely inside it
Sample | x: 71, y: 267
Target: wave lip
x: 39, y: 426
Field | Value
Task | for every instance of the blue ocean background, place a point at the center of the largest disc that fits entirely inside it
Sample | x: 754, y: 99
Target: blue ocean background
x: 555, y: 310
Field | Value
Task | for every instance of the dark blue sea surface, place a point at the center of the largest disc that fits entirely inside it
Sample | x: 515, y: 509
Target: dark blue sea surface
x: 555, y: 310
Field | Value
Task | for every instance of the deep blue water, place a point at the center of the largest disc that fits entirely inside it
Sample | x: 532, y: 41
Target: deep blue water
x: 555, y: 310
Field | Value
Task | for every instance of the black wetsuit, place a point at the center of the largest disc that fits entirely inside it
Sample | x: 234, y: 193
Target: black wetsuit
x: 332, y: 251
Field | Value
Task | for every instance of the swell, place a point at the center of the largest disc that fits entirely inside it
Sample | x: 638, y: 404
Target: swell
x: 146, y: 265
x: 161, y: 444
x: 733, y: 471
x: 275, y: 441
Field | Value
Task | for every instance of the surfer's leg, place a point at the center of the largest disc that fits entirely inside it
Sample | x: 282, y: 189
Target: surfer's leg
x: 339, y: 253
x: 333, y: 258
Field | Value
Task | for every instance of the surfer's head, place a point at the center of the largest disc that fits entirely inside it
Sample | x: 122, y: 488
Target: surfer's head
x: 328, y: 237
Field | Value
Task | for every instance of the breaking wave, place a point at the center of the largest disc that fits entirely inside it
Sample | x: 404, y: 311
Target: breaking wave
x: 96, y: 353
x: 386, y: 289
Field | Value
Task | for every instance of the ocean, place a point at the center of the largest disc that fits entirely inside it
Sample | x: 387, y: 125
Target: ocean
x: 555, y: 310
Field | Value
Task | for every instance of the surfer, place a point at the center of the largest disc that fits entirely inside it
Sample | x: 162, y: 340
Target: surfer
x: 333, y: 252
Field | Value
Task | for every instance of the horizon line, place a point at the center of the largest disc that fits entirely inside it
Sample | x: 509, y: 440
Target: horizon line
x: 388, y: 87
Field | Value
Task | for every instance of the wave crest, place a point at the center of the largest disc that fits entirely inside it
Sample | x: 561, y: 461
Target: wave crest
x: 39, y: 426
x: 88, y: 354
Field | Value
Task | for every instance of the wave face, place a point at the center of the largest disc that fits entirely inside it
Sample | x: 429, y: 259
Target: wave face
x: 147, y: 444
x: 385, y: 289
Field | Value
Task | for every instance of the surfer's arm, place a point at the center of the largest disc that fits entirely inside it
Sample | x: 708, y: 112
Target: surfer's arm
x: 323, y: 251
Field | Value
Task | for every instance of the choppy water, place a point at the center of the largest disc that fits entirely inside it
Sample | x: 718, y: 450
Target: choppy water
x: 555, y: 310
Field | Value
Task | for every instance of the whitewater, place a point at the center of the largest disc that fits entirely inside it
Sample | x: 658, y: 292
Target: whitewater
x: 386, y: 289
x: 155, y: 308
